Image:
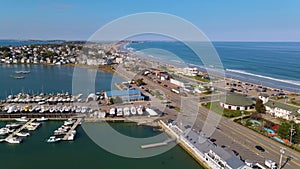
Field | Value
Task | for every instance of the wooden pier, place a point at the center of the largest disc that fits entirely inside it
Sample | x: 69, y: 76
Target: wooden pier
x: 158, y: 144
x: 65, y: 138
x: 19, y: 129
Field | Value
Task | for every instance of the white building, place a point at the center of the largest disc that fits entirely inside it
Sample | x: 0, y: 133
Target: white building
x: 264, y: 98
x: 188, y: 71
x: 281, y: 110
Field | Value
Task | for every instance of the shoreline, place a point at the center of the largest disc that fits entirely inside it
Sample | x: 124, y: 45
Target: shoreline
x: 269, y: 82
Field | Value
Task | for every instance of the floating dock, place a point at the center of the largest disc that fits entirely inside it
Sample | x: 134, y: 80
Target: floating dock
x: 19, y: 129
x: 78, y: 121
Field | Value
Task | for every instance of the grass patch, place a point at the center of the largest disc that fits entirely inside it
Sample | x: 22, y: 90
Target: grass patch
x: 201, y: 79
x: 177, y: 109
x: 215, y: 107
x: 294, y: 103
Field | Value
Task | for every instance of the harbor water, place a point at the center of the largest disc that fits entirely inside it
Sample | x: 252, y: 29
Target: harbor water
x: 81, y: 153
x: 35, y: 153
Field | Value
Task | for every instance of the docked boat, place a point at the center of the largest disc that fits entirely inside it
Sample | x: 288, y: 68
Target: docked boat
x: 14, y: 140
x: 22, y: 134
x: 42, y: 119
x: 112, y: 111
x: 140, y: 111
x: 53, y: 139
x: 4, y: 131
x: 22, y: 119
x: 69, y: 122
x: 72, y: 135
x: 133, y: 110
x: 126, y: 111
x: 119, y: 112
x: 12, y: 109
x: 12, y: 125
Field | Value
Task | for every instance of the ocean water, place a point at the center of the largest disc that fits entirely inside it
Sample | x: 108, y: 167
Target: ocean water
x: 22, y: 42
x: 275, y: 64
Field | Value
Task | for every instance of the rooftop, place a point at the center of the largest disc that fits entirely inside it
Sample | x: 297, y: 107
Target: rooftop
x: 238, y: 100
x: 274, y: 104
x: 115, y: 93
x: 204, y: 146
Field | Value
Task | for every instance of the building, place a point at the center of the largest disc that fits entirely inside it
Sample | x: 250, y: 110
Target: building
x: 188, y: 71
x: 282, y: 110
x: 237, y: 102
x: 125, y: 95
x: 216, y: 157
x: 264, y: 98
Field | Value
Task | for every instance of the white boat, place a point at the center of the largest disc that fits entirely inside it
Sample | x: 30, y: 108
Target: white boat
x: 22, y: 134
x: 12, y: 109
x: 133, y: 110
x: 42, y: 119
x: 69, y: 122
x: 22, y: 119
x: 140, y: 111
x: 72, y: 135
x: 22, y: 72
x: 52, y: 109
x: 53, y: 139
x: 12, y: 125
x: 14, y: 140
x: 126, y: 111
x: 4, y: 131
x: 112, y: 111
x: 119, y: 112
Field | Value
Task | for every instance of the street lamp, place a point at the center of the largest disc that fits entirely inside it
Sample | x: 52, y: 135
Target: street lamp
x: 281, y: 154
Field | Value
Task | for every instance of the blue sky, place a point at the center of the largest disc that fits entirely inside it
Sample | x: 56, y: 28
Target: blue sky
x: 220, y: 20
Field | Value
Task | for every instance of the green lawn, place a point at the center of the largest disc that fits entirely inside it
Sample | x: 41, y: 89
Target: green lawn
x: 215, y: 107
x: 201, y: 79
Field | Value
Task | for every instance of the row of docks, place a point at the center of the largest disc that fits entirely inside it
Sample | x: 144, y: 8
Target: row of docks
x: 17, y: 108
x: 113, y: 112
x: 14, y: 133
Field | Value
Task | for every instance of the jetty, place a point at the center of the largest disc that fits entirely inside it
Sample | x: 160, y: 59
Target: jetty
x: 19, y: 129
x: 78, y: 121
x: 153, y: 145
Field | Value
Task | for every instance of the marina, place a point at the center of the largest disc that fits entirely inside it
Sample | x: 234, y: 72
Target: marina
x: 12, y: 139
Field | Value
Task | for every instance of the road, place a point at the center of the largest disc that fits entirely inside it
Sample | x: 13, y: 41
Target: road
x: 226, y: 132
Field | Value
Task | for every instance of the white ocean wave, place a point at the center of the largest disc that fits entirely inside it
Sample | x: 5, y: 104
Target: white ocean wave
x: 265, y: 77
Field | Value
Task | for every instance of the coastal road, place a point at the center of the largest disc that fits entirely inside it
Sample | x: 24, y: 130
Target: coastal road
x: 229, y: 133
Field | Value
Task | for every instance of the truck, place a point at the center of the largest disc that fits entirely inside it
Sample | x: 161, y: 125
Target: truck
x: 271, y: 164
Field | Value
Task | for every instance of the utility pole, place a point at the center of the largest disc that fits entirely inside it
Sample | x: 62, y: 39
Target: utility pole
x: 292, y: 133
x: 242, y: 117
x: 281, y: 154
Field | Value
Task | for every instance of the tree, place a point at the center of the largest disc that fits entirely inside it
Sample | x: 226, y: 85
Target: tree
x: 296, y: 137
x: 140, y: 82
x: 284, y: 130
x: 256, y: 116
x: 260, y: 107
x: 111, y: 101
x: 118, y: 100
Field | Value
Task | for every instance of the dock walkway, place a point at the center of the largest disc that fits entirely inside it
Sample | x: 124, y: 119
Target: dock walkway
x: 164, y: 143
x: 65, y: 138
x: 19, y: 129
